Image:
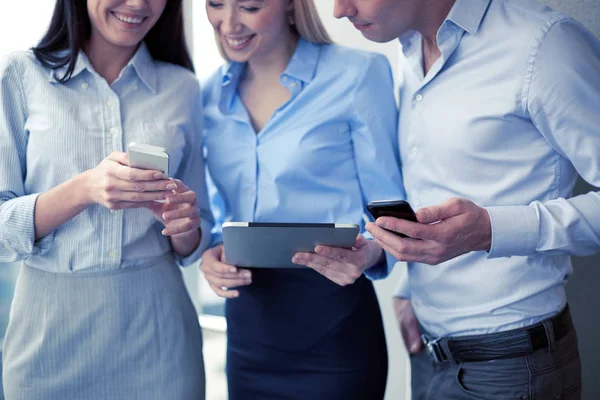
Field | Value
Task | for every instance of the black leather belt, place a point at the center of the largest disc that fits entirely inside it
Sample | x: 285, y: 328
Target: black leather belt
x: 514, y: 343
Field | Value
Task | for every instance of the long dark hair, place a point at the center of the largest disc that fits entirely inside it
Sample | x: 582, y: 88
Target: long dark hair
x: 70, y: 28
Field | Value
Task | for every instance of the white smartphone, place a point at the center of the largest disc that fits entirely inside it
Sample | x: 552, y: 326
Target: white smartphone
x: 145, y: 156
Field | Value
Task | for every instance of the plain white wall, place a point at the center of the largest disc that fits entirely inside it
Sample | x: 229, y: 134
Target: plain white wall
x: 345, y: 34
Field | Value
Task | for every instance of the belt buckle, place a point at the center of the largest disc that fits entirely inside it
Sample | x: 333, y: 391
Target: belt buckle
x: 433, y: 348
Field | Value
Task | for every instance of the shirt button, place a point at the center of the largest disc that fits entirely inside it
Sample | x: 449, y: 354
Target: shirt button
x: 419, y: 97
x: 84, y: 85
x: 110, y: 103
x: 414, y: 151
x: 112, y: 254
x: 114, y: 131
x: 285, y: 79
x: 251, y: 192
x: 135, y: 87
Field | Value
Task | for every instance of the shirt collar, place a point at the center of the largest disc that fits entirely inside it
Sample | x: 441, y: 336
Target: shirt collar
x: 302, y: 67
x: 303, y: 64
x: 81, y: 63
x: 141, y: 62
x: 468, y: 14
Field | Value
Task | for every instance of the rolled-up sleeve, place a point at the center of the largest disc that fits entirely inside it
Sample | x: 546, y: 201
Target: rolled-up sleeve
x: 17, y: 208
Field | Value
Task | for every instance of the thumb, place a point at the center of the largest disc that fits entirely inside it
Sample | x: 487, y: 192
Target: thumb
x: 360, y: 242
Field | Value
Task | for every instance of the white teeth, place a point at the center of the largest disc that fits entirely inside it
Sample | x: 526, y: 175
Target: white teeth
x: 238, y: 42
x: 129, y: 20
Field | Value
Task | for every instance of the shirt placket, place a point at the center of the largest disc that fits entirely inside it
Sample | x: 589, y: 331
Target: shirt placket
x: 113, y: 141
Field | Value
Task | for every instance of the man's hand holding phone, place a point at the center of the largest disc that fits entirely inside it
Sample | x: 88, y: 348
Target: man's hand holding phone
x: 442, y: 232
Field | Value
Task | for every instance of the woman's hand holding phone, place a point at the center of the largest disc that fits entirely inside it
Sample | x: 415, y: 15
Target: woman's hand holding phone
x: 222, y: 277
x: 116, y: 186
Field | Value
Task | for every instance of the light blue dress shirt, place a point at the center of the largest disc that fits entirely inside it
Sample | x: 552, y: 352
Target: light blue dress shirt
x: 50, y: 132
x: 507, y: 117
x: 321, y: 157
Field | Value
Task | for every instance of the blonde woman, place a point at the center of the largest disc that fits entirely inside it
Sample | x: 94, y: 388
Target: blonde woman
x: 299, y: 130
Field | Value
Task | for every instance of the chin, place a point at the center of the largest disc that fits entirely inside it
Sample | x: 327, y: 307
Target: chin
x: 378, y: 37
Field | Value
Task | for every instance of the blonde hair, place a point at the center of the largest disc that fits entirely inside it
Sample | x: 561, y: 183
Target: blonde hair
x: 306, y: 23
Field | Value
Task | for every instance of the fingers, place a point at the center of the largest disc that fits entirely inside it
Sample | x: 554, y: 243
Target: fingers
x: 341, y: 274
x: 447, y: 209
x: 225, y: 293
x: 181, y: 225
x: 127, y: 173
x: 164, y: 185
x: 412, y: 336
x: 123, y: 205
x: 182, y: 197
x: 119, y: 157
x: 178, y: 211
x: 212, y: 266
x: 133, y: 197
x: 221, y: 276
x: 408, y: 324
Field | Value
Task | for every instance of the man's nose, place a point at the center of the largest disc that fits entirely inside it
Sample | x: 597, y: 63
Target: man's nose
x: 343, y: 8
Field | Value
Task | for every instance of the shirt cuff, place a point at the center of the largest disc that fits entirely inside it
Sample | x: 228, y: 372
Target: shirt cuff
x: 382, y: 269
x: 17, y: 218
x: 515, y: 231
x: 205, y: 241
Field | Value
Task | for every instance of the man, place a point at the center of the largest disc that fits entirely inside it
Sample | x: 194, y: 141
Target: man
x: 498, y: 115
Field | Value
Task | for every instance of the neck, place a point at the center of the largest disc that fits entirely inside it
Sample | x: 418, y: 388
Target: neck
x: 108, y: 60
x: 269, y: 67
x: 434, y: 12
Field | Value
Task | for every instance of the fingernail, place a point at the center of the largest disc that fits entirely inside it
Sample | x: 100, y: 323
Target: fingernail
x: 247, y: 275
x: 164, y: 232
x: 164, y: 216
x: 233, y: 270
x: 158, y: 175
x: 414, y: 348
x: 171, y: 186
x: 295, y: 259
x: 383, y: 224
x: 236, y: 294
x: 318, y: 249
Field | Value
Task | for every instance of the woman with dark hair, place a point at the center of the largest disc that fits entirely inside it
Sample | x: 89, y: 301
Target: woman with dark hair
x: 100, y: 309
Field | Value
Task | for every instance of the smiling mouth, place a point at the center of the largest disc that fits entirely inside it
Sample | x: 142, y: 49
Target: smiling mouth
x: 236, y: 43
x: 129, y: 19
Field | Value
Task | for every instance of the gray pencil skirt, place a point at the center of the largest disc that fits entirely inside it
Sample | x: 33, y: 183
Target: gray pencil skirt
x: 124, y: 334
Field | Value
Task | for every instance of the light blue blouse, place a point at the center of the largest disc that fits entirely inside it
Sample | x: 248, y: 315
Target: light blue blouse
x: 50, y: 132
x: 321, y: 157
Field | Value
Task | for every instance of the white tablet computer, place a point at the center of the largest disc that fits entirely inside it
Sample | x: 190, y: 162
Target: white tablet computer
x: 272, y: 245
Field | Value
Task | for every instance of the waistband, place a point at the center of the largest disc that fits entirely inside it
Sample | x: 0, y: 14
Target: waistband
x: 508, y: 344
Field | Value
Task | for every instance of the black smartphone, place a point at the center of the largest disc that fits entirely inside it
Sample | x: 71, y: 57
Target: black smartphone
x: 392, y: 208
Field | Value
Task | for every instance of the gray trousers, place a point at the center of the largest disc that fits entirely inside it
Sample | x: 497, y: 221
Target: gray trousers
x: 552, y: 373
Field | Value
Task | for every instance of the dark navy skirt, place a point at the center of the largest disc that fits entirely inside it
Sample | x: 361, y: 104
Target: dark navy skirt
x: 293, y: 334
